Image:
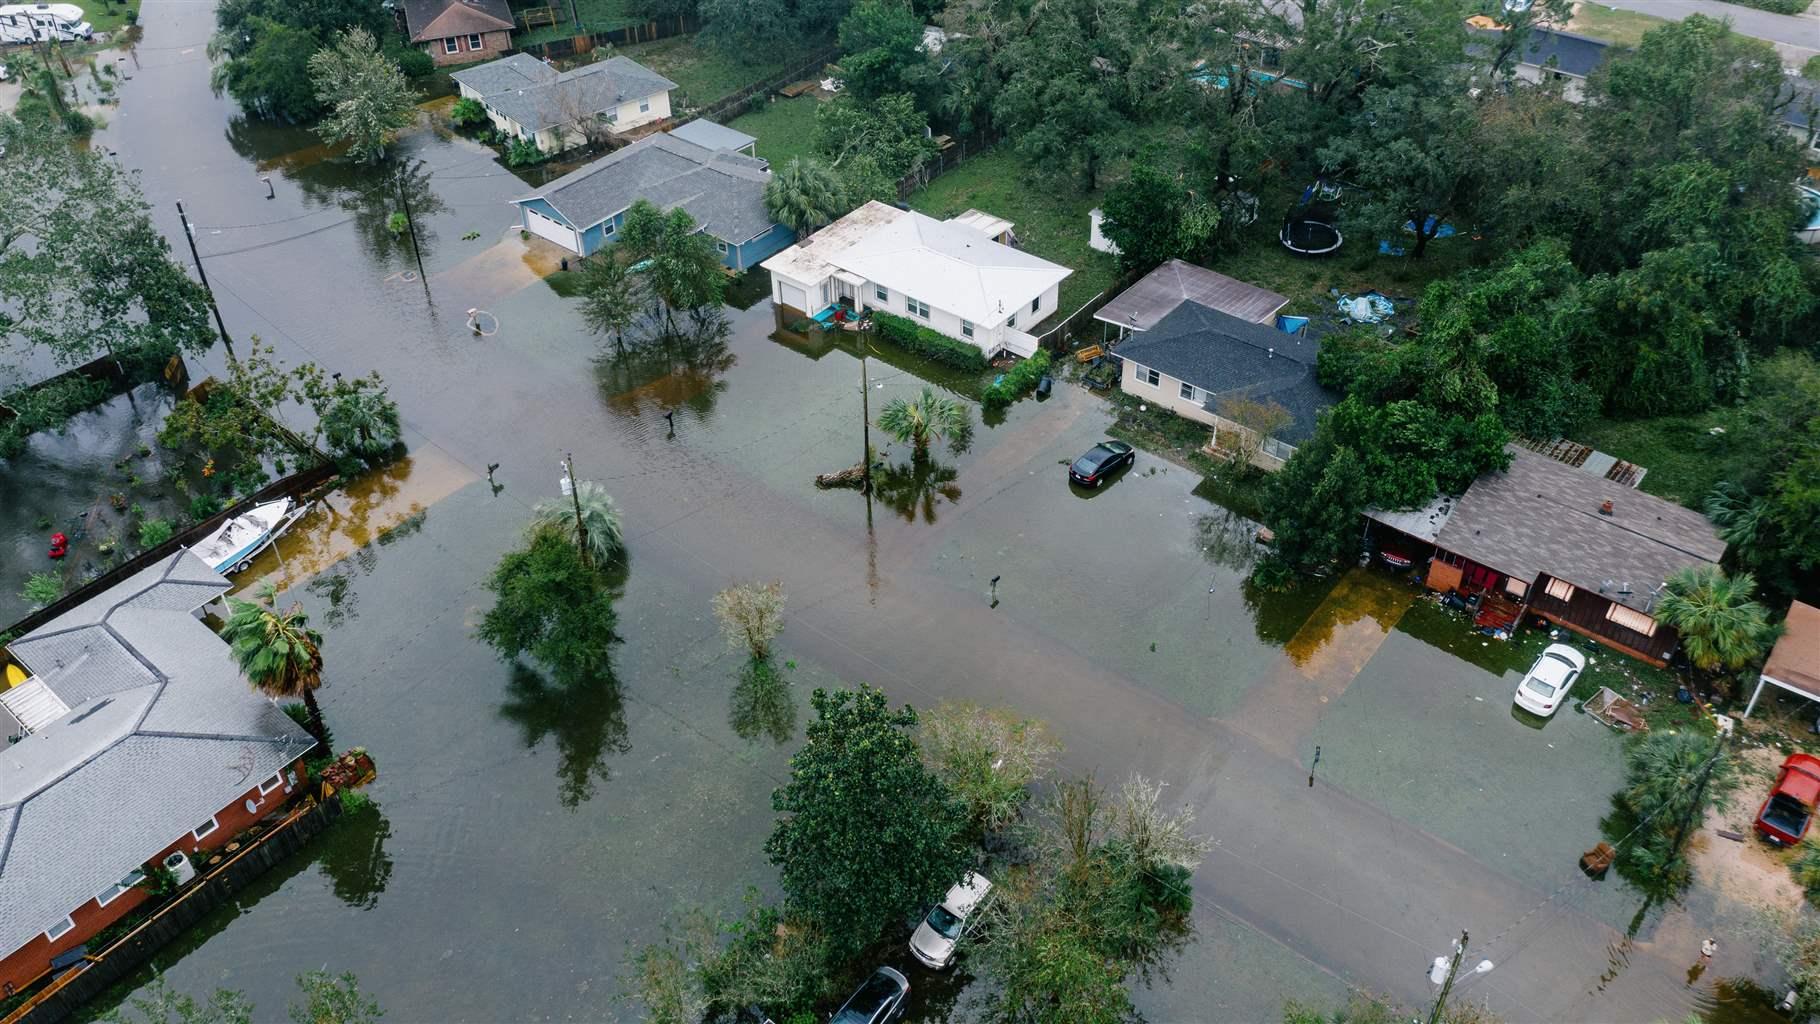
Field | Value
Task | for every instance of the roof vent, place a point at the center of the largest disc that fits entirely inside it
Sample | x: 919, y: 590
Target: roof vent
x: 1273, y: 353
x: 1606, y: 508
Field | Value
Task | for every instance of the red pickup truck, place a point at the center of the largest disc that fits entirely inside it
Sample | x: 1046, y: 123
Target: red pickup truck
x: 1785, y: 816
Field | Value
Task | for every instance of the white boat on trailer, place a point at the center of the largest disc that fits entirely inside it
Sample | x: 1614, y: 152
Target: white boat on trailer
x: 231, y: 548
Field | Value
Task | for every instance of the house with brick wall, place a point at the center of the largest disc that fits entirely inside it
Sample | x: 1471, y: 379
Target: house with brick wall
x: 132, y: 736
x: 459, y: 31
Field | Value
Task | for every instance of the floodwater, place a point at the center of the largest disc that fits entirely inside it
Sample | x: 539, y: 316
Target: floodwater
x: 528, y: 837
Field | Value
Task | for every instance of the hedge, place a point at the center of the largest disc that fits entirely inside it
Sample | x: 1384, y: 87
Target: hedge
x: 1017, y: 382
x: 927, y: 343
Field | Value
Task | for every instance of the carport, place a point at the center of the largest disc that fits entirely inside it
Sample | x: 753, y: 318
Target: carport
x: 1794, y: 663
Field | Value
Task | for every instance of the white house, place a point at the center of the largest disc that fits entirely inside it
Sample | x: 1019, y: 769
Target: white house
x: 528, y: 99
x: 950, y: 275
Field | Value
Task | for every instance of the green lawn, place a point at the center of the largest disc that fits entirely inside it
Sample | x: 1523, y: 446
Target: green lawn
x: 1050, y: 214
x: 596, y: 16
x: 1257, y: 257
x: 1625, y: 28
x: 784, y: 128
x: 109, y: 16
x: 1684, y: 457
x: 703, y: 74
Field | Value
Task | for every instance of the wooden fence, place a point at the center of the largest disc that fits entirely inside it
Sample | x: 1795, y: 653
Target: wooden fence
x: 947, y: 160
x: 65, y: 995
x: 1056, y: 338
x: 583, y: 43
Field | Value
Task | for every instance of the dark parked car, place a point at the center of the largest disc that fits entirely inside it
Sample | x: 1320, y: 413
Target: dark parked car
x: 879, y: 1000
x: 1100, y: 462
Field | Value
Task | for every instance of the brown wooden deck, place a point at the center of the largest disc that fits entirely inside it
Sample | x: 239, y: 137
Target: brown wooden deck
x: 1585, y: 614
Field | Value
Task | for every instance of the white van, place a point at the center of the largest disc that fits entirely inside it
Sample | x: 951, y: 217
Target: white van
x: 29, y: 23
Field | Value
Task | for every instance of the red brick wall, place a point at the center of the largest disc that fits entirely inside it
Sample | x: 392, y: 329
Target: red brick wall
x: 31, y: 960
x: 493, y: 45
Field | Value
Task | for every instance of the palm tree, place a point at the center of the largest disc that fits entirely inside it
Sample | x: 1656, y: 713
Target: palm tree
x: 363, y: 423
x: 598, y: 513
x: 924, y: 418
x: 279, y: 653
x: 804, y: 196
x: 1721, y: 624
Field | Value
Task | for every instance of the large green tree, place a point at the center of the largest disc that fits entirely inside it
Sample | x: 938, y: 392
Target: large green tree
x: 1671, y: 779
x: 368, y: 99
x: 805, y: 195
x: 889, y: 130
x: 551, y: 606
x: 262, y: 48
x: 1153, y: 218
x: 1411, y: 146
x: 682, y: 266
x: 279, y: 653
x: 866, y: 836
x: 880, y: 43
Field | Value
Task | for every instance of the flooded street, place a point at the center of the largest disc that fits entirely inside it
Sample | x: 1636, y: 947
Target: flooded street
x: 528, y: 837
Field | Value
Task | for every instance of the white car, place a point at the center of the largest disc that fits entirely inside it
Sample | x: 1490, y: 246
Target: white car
x: 933, y: 942
x: 1547, y: 683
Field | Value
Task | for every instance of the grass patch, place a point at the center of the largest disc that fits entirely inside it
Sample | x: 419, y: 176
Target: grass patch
x: 1684, y: 458
x: 703, y: 74
x: 784, y: 129
x: 110, y: 16
x: 1050, y: 214
x: 1624, y: 28
x: 595, y: 15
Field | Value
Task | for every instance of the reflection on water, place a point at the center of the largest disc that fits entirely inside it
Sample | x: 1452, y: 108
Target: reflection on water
x: 587, y: 719
x: 762, y: 703
x: 1359, y: 595
x: 354, y: 858
x: 1228, y: 540
x: 371, y: 195
x: 679, y: 371
x: 916, y: 487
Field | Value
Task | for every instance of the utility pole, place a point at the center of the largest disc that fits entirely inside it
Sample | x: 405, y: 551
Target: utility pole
x: 1693, y: 803
x: 1453, y: 970
x: 189, y: 235
x: 411, y: 222
x: 865, y: 418
x: 581, y: 528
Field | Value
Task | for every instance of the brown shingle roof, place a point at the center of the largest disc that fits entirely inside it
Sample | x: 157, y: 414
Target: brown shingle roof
x: 1169, y: 285
x: 1795, y: 660
x: 439, y: 19
x: 1542, y: 516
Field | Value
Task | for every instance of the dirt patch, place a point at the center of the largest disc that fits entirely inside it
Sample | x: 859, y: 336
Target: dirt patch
x: 1751, y: 871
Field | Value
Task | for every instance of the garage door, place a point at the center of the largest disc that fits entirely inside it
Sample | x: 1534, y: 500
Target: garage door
x: 546, y: 227
x: 793, y: 296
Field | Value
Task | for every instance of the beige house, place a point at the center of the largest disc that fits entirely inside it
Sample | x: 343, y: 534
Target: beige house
x: 1241, y: 378
x: 459, y: 31
x: 528, y: 99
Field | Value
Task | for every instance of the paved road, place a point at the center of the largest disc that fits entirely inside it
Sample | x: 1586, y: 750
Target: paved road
x: 1795, y: 35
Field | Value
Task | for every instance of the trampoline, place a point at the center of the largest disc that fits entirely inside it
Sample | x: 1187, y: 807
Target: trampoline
x: 1307, y: 237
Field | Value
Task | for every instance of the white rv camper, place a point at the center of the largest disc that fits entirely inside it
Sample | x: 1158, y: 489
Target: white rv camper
x: 31, y: 23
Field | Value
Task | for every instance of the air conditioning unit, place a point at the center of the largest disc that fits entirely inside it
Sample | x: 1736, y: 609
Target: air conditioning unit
x: 179, y: 865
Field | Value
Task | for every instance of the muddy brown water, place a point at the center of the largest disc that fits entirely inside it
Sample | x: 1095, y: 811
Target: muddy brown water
x: 528, y: 838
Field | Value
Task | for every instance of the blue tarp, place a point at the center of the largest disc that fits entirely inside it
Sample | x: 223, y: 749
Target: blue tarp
x: 1368, y: 308
x: 1292, y: 324
x: 1446, y: 231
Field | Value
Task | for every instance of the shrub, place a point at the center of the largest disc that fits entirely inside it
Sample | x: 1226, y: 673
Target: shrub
x: 929, y: 344
x: 202, y: 506
x: 1811, y: 70
x: 77, y: 123
x: 522, y: 153
x: 1807, y: 869
x: 154, y: 532
x: 397, y: 223
x: 467, y: 112
x: 1017, y: 382
x: 41, y: 588
x: 411, y: 60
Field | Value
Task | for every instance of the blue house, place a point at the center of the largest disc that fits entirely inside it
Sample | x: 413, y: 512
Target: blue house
x: 724, y: 191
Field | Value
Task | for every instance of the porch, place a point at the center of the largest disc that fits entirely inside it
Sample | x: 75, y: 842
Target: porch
x: 1598, y: 618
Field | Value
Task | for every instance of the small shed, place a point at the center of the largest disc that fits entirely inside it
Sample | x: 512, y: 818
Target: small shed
x: 709, y: 135
x: 1794, y: 663
x: 1158, y: 293
x: 996, y: 228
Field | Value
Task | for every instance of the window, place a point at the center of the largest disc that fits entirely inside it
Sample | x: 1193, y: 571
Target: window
x: 1011, y: 321
x: 114, y: 892
x: 205, y: 828
x: 1560, y: 590
x: 644, y: 106
x: 1036, y: 303
x: 610, y: 230
x: 60, y: 929
x: 720, y: 247
x: 1631, y: 619
x: 966, y: 328
x: 1188, y: 391
x: 608, y: 116
x: 473, y: 42
x: 451, y: 45
x: 270, y: 784
x: 916, y: 308
x: 883, y: 293
x: 1149, y: 376
x: 1515, y: 587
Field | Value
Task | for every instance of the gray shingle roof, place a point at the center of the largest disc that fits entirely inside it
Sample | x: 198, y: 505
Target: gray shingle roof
x: 1575, y: 55
x: 162, y: 733
x: 1157, y: 293
x: 709, y: 135
x: 537, y: 96
x: 1542, y: 516
x: 1229, y: 357
x: 724, y: 192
